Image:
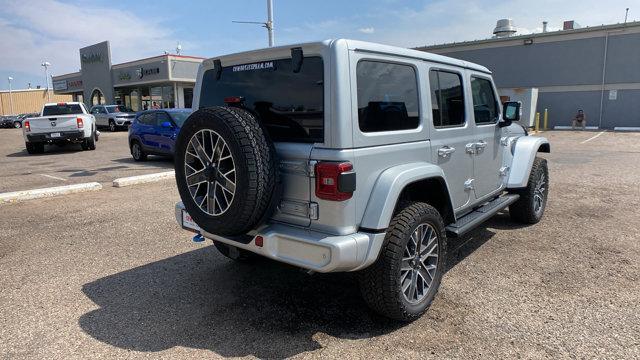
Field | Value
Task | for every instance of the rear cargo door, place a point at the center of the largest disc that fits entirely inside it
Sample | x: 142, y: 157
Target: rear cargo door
x: 288, y: 99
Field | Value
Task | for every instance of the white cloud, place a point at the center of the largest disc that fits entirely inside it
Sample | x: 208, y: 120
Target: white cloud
x: 367, y: 30
x: 55, y: 31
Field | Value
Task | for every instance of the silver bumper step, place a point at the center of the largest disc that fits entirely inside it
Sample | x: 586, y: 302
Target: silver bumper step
x: 480, y: 215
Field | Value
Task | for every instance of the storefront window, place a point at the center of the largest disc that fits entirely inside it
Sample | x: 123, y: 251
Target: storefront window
x: 168, y: 100
x: 134, y: 101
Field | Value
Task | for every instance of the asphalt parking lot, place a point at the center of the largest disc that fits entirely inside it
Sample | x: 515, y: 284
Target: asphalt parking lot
x: 109, y: 274
x: 69, y: 164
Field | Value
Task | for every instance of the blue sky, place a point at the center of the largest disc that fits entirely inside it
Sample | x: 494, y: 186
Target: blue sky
x: 32, y: 31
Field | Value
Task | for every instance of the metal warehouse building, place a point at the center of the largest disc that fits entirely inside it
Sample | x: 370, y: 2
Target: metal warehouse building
x: 596, y: 69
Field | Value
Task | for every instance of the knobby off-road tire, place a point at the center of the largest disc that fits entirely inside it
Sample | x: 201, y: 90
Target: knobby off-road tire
x: 383, y: 284
x: 529, y: 208
x: 226, y: 170
x: 234, y: 253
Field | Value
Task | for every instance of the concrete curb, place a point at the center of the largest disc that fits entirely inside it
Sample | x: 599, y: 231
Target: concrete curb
x: 141, y: 179
x: 23, y: 195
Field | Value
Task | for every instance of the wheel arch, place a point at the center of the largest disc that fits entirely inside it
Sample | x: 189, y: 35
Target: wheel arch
x: 414, y: 181
x: 525, y: 150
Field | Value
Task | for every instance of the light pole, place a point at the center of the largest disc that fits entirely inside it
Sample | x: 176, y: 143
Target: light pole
x: 10, y: 95
x: 268, y: 25
x: 46, y: 65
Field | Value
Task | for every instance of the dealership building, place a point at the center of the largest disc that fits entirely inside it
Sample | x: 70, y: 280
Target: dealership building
x: 166, y: 81
x: 596, y: 69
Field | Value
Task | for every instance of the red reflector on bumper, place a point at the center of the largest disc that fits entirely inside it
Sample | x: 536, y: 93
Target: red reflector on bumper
x: 259, y: 241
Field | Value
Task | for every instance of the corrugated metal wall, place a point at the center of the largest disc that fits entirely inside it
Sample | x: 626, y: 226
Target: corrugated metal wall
x: 28, y: 101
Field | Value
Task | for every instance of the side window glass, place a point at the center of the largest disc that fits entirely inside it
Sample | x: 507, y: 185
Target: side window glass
x: 447, y: 98
x: 162, y: 117
x: 387, y: 97
x: 144, y: 119
x: 485, y: 106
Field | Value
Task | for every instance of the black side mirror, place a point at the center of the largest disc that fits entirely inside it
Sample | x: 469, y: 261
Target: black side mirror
x: 296, y: 59
x: 217, y: 64
x: 510, y: 112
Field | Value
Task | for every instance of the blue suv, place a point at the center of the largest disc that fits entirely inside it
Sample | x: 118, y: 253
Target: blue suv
x: 154, y: 132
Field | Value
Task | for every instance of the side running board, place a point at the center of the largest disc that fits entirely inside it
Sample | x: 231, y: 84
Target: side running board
x: 480, y: 215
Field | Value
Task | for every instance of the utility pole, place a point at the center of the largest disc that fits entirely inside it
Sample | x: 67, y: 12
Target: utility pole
x: 625, y: 15
x: 268, y: 24
x: 10, y: 95
x: 46, y: 65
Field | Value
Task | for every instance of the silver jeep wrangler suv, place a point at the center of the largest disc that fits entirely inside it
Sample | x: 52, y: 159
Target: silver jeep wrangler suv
x: 344, y: 155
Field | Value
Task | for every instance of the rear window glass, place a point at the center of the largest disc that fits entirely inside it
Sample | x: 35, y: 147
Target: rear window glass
x: 289, y: 104
x: 66, y: 109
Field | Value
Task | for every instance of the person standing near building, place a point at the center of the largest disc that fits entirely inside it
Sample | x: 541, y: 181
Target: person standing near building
x: 155, y: 106
x: 580, y: 119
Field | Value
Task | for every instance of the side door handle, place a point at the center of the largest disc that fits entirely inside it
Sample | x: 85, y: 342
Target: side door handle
x: 445, y: 151
x: 480, y: 145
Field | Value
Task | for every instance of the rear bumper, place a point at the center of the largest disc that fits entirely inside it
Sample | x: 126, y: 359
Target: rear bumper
x: 305, y: 248
x: 64, y: 135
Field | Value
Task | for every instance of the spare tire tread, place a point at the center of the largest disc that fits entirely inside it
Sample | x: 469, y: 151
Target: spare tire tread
x: 258, y: 163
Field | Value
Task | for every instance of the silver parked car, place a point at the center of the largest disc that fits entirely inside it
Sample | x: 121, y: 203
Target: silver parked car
x: 113, y: 116
x: 352, y: 156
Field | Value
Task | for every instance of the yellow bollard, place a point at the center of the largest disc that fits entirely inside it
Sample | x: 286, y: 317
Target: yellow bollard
x: 546, y: 118
x: 537, y: 125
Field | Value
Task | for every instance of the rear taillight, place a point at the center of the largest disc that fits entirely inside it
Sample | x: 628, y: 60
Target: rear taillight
x: 80, y: 123
x: 335, y: 181
x: 27, y: 126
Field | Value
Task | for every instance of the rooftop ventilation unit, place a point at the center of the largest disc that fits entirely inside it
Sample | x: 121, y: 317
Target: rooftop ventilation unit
x: 504, y: 28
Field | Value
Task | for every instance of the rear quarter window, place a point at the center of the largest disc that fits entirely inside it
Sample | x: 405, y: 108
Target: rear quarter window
x: 387, y: 96
x: 289, y: 104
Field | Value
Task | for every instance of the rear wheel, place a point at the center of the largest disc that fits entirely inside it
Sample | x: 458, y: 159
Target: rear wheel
x: 404, y: 280
x: 136, y: 151
x: 90, y: 142
x: 234, y: 253
x: 17, y: 124
x: 34, y: 148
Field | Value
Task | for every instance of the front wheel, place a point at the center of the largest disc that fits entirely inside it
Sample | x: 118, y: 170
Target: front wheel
x: 533, y: 199
x: 112, y: 126
x: 404, y: 280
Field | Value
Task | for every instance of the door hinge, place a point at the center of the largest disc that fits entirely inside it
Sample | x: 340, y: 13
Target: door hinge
x: 313, y: 211
x: 468, y: 185
x: 311, y: 168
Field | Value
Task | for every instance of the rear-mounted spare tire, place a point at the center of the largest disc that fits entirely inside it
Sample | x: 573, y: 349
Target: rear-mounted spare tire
x: 226, y: 170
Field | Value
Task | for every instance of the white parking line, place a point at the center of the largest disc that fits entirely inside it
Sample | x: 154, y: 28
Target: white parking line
x: 593, y: 137
x: 53, y: 177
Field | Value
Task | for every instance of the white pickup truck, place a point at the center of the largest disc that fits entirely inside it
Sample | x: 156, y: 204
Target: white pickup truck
x: 60, y: 124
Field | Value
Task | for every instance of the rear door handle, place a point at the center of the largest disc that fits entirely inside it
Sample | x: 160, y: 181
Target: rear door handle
x: 445, y: 151
x: 481, y: 144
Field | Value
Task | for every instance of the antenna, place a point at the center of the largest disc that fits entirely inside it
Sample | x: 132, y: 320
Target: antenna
x: 268, y: 24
